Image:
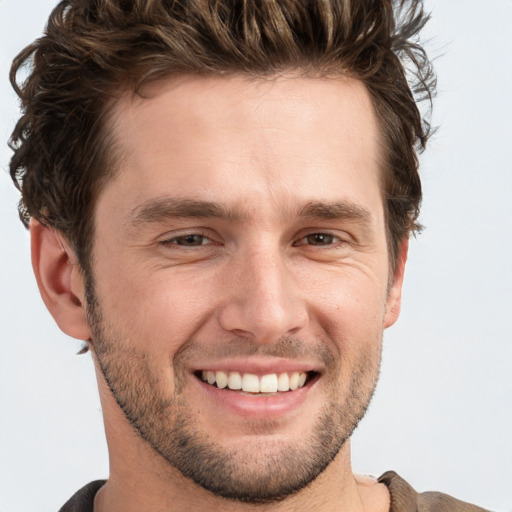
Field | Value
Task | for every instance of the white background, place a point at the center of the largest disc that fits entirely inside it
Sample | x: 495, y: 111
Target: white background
x: 442, y: 416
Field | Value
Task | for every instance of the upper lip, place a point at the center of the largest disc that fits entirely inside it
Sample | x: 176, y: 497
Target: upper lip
x: 258, y: 365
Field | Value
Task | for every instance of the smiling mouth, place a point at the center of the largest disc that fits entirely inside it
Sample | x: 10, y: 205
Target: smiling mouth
x: 252, y: 383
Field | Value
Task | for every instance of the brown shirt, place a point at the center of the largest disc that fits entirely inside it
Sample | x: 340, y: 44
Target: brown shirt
x: 403, y: 498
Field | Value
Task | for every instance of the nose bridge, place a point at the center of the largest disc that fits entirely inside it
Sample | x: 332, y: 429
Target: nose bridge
x: 267, y: 282
x: 264, y: 302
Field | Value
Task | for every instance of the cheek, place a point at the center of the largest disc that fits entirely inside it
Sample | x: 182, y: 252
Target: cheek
x: 350, y: 307
x: 155, y: 309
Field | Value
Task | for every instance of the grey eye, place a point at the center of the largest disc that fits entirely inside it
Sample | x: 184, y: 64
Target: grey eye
x: 319, y: 239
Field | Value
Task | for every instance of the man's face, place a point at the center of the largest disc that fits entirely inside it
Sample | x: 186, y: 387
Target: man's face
x: 242, y: 243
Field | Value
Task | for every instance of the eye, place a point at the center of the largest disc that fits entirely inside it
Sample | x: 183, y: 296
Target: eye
x: 318, y: 239
x: 321, y: 239
x: 190, y: 240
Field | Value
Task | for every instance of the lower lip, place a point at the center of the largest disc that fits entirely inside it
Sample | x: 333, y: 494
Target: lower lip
x: 257, y: 405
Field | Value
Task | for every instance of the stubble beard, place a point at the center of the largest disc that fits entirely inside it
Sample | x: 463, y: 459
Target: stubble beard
x: 252, y: 476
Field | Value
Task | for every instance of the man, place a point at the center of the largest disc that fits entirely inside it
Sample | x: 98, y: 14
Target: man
x: 220, y: 197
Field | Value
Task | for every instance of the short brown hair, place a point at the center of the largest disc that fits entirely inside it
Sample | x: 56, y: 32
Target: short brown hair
x: 92, y: 49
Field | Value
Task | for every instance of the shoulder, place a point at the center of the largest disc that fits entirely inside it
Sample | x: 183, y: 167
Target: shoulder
x: 405, y: 499
x: 83, y: 500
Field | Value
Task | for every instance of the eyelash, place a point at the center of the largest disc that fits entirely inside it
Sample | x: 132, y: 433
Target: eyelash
x: 175, y: 240
x: 332, y: 240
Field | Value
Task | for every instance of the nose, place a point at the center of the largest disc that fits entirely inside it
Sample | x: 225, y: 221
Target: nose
x: 264, y: 302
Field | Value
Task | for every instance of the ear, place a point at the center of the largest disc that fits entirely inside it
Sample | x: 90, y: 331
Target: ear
x: 394, y: 299
x: 59, y: 280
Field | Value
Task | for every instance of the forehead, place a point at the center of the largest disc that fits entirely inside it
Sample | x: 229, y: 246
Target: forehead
x: 253, y: 140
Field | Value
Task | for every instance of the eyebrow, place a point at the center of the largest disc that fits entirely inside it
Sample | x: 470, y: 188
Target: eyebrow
x: 336, y: 210
x: 161, y: 209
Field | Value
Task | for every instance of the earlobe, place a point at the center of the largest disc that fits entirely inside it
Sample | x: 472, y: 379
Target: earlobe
x: 59, y: 280
x: 394, y: 299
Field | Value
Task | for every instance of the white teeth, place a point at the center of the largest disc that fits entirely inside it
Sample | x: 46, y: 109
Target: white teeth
x: 234, y: 380
x: 268, y: 383
x: 283, y: 382
x: 251, y: 383
x: 222, y: 379
x: 294, y: 381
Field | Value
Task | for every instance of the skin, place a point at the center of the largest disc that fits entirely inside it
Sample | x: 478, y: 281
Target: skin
x: 255, y: 289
